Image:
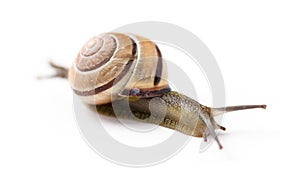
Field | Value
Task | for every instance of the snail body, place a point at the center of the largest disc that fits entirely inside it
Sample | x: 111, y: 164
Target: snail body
x: 124, y: 75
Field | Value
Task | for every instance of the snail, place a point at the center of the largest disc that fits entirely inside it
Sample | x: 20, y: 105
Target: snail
x: 124, y: 75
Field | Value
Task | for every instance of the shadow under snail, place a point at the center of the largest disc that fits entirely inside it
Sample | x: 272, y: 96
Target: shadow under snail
x: 127, y: 72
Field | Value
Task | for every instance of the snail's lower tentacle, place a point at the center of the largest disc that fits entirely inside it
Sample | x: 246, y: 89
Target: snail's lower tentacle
x: 210, y: 128
x: 216, y: 124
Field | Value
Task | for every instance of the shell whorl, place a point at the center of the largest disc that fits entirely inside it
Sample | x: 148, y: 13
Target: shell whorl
x: 114, y: 65
x: 95, y: 53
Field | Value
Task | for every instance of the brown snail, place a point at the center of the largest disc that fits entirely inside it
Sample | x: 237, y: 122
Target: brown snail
x: 117, y: 69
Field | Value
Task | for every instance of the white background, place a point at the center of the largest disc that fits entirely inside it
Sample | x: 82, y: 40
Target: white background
x: 256, y: 44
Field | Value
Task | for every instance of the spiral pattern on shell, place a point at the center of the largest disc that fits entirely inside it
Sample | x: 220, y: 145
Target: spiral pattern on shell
x: 116, y: 65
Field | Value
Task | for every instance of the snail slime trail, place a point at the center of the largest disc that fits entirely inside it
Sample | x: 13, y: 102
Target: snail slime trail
x: 122, y: 69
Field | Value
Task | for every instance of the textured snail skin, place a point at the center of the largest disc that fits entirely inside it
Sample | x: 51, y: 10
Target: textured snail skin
x: 172, y: 110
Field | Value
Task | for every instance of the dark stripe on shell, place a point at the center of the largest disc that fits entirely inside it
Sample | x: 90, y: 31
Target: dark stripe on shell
x: 159, y: 66
x: 134, y: 47
x: 105, y: 86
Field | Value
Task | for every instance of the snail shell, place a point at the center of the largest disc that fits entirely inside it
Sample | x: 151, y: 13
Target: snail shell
x: 116, y: 65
